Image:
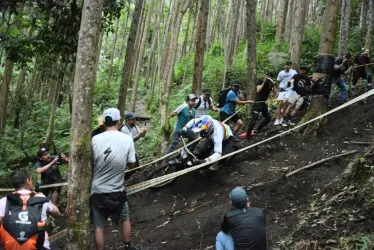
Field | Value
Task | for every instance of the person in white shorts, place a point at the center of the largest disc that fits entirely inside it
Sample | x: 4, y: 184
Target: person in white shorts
x: 301, y: 87
x: 284, y: 77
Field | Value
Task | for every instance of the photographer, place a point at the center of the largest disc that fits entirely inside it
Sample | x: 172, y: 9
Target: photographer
x: 47, y: 166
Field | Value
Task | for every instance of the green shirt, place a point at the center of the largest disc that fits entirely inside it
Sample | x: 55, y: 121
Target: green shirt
x: 184, y: 115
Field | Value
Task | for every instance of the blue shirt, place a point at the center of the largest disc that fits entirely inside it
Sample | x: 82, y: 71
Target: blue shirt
x: 230, y: 105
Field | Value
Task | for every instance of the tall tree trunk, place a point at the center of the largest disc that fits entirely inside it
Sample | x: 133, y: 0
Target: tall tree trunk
x: 251, y: 47
x: 141, y: 55
x: 181, y: 7
x: 78, y: 208
x: 7, y: 75
x: 369, y: 32
x: 281, y: 20
x: 185, y: 41
x: 139, y: 36
x: 124, y: 33
x: 55, y: 92
x: 156, y: 32
x: 330, y: 25
x: 231, y: 41
x: 288, y: 27
x: 297, y: 32
x: 112, y: 54
x: 128, y: 65
x: 215, y: 25
x: 363, y: 15
x: 344, y: 26
x: 200, y: 38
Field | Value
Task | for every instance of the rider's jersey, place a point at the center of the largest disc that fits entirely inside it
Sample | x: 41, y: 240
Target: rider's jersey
x: 220, y: 133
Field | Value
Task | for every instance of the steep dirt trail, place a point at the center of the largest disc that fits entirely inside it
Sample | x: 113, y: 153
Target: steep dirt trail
x: 188, y: 214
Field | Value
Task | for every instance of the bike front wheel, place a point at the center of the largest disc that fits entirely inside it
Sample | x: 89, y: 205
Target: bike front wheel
x: 162, y: 171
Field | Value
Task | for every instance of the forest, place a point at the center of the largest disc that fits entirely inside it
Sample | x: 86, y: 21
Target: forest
x: 63, y: 62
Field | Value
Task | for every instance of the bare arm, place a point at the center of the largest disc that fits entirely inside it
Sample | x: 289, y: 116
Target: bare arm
x: 46, y: 167
x: 173, y: 114
x: 243, y: 102
x: 55, y: 211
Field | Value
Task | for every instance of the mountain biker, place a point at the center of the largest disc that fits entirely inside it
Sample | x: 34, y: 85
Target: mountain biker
x: 48, y: 166
x: 219, y: 137
x: 204, y: 104
x: 243, y: 227
x: 232, y: 99
x: 185, y: 113
x: 23, y: 215
x: 263, y: 88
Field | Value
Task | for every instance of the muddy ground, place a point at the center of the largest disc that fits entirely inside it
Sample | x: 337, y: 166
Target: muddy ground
x: 188, y: 214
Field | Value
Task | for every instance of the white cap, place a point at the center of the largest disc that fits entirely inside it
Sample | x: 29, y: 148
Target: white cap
x: 112, y: 113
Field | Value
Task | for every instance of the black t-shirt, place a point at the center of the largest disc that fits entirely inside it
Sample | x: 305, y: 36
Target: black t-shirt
x: 97, y: 131
x: 300, y: 84
x: 336, y: 73
x: 265, y: 91
x: 247, y: 228
x: 52, y: 174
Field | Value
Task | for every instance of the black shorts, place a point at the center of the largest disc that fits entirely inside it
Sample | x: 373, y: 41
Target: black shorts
x: 223, y: 116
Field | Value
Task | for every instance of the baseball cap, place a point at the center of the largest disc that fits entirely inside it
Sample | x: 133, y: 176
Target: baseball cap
x: 304, y: 68
x: 112, y: 113
x: 41, y: 152
x: 206, y: 91
x: 191, y: 97
x: 236, y: 82
x: 238, y: 197
x: 129, y: 115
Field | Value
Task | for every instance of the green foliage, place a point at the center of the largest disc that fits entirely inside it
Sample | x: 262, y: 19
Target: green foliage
x: 358, y: 241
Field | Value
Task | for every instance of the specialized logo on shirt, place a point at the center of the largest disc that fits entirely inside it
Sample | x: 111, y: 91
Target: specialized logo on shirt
x: 107, y: 153
x: 23, y: 218
x: 301, y: 83
x: 22, y: 236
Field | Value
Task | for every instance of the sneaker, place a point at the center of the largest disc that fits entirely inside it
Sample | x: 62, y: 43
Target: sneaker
x: 215, y: 166
x: 277, y: 122
x: 254, y: 132
x: 284, y: 124
x: 243, y: 136
x: 291, y: 123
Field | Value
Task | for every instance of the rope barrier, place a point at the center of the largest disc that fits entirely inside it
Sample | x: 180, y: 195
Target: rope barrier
x: 147, y: 184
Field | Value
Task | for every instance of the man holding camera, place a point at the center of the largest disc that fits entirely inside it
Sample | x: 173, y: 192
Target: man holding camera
x: 47, y: 166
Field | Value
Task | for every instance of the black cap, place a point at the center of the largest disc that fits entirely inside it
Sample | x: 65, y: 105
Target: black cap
x: 270, y: 74
x: 129, y: 116
x: 206, y: 91
x: 236, y: 82
x: 41, y: 152
x: 304, y: 68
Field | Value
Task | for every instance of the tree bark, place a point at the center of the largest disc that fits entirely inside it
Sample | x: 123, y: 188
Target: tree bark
x: 180, y: 7
x: 128, y: 65
x: 185, y: 41
x: 112, y: 54
x: 55, y: 92
x: 330, y: 25
x: 363, y: 15
x: 7, y: 76
x: 344, y: 26
x: 369, y: 32
x: 281, y: 20
x: 200, y: 38
x: 123, y: 38
x: 288, y: 27
x: 297, y: 32
x: 80, y: 173
x: 251, y: 47
x: 141, y: 55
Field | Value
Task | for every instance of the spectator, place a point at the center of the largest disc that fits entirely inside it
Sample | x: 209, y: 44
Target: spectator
x: 185, y: 113
x: 112, y: 152
x: 361, y: 72
x: 228, y: 110
x: 130, y: 128
x: 100, y: 126
x: 340, y: 66
x: 284, y: 89
x: 263, y: 89
x: 48, y: 166
x: 243, y: 227
x: 23, y: 215
x: 204, y: 104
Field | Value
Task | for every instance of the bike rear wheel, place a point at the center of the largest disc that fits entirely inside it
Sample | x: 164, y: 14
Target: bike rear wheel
x: 162, y: 171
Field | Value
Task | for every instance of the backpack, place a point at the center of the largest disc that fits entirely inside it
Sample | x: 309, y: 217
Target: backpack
x: 22, y: 227
x: 222, y: 97
x: 200, y: 101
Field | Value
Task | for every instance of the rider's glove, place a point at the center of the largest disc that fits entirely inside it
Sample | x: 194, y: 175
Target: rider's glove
x: 185, y: 129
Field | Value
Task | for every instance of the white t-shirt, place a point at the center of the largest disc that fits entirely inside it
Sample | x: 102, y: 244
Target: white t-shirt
x: 203, y: 107
x: 284, y: 77
x: 112, y: 150
x: 47, y: 207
